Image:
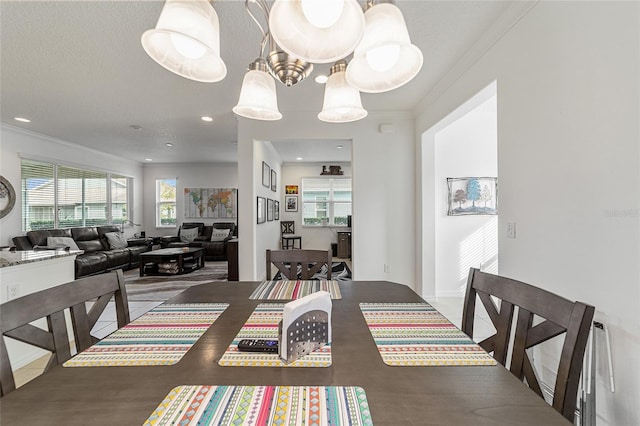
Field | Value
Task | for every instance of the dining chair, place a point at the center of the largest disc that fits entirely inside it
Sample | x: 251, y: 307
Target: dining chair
x: 555, y: 316
x: 50, y: 304
x: 288, y: 238
x: 306, y: 263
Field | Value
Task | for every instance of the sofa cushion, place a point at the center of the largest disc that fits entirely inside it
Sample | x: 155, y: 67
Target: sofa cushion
x: 116, y: 240
x: 188, y: 235
x: 53, y: 242
x: 219, y: 234
x: 87, y: 239
x: 118, y: 258
x: 39, y: 238
x: 90, y: 263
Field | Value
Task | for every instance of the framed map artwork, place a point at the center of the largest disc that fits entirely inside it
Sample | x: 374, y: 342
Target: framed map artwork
x: 211, y: 203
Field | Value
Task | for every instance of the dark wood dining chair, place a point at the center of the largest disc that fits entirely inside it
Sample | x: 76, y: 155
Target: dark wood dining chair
x: 50, y: 304
x: 555, y: 316
x: 289, y: 261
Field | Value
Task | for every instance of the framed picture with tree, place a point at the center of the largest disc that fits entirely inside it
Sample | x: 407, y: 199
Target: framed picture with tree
x: 473, y: 196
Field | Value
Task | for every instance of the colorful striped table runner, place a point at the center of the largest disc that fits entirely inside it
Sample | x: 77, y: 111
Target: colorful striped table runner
x: 263, y: 324
x: 263, y: 405
x: 286, y: 289
x: 160, y: 337
x: 416, y: 334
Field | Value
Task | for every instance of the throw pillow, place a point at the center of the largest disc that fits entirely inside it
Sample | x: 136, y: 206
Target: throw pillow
x: 53, y: 242
x: 188, y: 235
x: 219, y: 234
x: 116, y: 240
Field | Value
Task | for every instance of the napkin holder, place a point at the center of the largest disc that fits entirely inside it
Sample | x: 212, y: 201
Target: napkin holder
x: 305, y: 326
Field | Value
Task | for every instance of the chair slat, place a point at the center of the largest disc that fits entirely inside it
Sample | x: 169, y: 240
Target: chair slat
x: 288, y: 261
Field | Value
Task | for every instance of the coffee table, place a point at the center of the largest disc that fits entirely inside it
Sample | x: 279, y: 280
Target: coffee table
x: 187, y: 259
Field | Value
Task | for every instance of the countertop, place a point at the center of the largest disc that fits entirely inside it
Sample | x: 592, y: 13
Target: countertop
x: 12, y: 258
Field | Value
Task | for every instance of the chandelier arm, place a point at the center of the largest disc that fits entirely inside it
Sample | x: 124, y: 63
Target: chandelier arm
x: 264, y: 8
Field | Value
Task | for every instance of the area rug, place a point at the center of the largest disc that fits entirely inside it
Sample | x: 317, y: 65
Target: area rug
x: 339, y: 272
x: 161, y: 287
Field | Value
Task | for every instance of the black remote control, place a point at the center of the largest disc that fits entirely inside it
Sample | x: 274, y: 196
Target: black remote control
x: 258, y: 345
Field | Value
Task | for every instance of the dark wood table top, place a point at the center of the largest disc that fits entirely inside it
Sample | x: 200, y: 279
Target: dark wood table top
x: 396, y: 395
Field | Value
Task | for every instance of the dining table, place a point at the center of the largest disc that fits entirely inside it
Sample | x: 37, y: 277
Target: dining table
x: 396, y: 395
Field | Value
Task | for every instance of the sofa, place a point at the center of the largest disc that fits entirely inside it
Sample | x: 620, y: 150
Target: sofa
x: 103, y: 250
x: 213, y: 250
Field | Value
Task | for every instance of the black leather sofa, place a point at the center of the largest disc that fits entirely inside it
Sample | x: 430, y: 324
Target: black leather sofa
x: 213, y: 250
x: 98, y: 256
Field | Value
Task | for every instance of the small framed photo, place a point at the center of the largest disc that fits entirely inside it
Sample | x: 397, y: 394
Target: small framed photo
x: 269, y: 210
x: 291, y: 189
x: 262, y: 210
x: 291, y: 203
x: 473, y: 196
x: 274, y: 180
x: 266, y: 175
x: 276, y: 210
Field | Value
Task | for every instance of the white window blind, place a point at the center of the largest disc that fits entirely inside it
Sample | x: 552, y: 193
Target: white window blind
x: 326, y: 201
x: 58, y: 196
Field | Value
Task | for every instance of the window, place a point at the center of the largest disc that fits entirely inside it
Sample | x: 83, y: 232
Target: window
x: 326, y: 201
x: 166, y: 202
x: 60, y: 196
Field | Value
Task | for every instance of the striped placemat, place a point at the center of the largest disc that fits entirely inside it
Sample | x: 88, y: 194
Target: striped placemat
x: 160, y: 337
x: 263, y: 405
x: 416, y: 334
x: 263, y: 324
x: 292, y: 289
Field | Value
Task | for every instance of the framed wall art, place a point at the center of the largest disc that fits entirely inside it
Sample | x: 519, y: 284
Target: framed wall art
x: 211, y: 203
x: 7, y: 197
x: 276, y: 210
x: 269, y: 210
x: 291, y: 189
x: 291, y: 203
x: 266, y: 175
x: 262, y: 210
x: 473, y: 196
x: 274, y: 180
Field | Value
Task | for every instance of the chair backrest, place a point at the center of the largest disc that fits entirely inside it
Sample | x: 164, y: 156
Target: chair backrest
x: 287, y: 227
x: 289, y: 261
x: 558, y: 315
x: 50, y: 304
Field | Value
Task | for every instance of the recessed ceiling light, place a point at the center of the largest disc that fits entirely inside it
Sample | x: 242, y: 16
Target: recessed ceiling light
x: 135, y: 127
x: 148, y: 159
x: 24, y: 120
x: 339, y: 146
x: 299, y: 158
x: 169, y: 144
x: 321, y: 79
x: 206, y: 118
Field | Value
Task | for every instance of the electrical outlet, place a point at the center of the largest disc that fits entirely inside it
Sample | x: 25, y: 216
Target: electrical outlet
x: 13, y: 291
x: 511, y: 229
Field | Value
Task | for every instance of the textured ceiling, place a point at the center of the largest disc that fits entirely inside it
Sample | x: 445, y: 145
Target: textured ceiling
x: 78, y: 71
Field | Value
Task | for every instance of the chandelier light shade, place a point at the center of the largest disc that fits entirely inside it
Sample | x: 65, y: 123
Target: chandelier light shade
x: 342, y: 102
x: 385, y: 59
x: 317, y: 31
x: 186, y: 40
x: 258, y: 98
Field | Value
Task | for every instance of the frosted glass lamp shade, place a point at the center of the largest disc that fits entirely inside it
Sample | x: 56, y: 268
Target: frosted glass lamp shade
x: 186, y: 40
x: 385, y: 59
x: 299, y: 37
x: 342, y: 102
x: 258, y: 99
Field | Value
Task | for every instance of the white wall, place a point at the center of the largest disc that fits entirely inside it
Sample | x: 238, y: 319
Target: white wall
x: 17, y: 143
x: 188, y: 176
x: 467, y: 147
x: 313, y: 237
x: 569, y: 166
x: 383, y: 169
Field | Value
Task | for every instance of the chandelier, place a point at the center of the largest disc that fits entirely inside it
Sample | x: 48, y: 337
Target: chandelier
x: 295, y: 35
